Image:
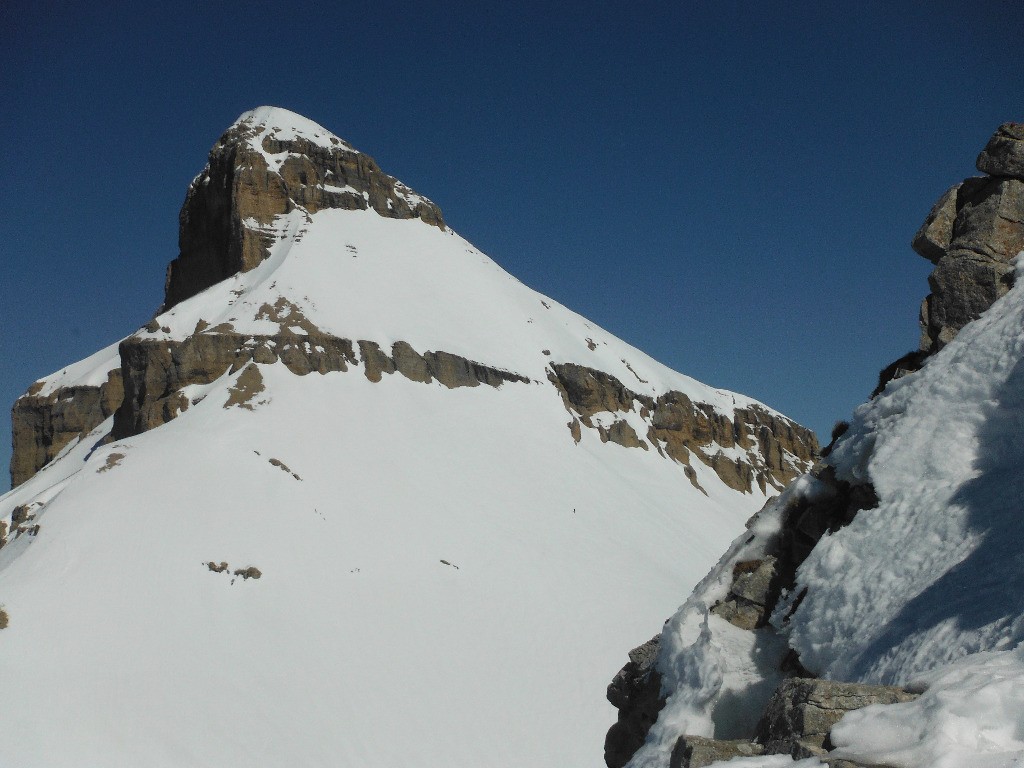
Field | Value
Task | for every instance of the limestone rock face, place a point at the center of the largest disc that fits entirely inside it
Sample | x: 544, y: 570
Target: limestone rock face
x: 156, y: 371
x: 972, y: 234
x: 257, y: 171
x: 1004, y: 153
x: 775, y: 449
x: 41, y: 426
x: 265, y: 181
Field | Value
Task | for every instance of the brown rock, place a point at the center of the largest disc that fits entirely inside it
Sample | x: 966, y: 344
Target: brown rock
x: 777, y: 449
x: 227, y: 221
x: 374, y: 361
x: 932, y: 239
x: 156, y: 370
x: 990, y: 218
x: 42, y: 426
x: 1004, y: 153
x: 245, y: 390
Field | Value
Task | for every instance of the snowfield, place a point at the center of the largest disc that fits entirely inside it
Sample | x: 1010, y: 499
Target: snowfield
x: 926, y: 590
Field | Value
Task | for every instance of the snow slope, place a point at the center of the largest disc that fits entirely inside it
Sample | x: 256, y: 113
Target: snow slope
x: 447, y: 578
x: 926, y: 589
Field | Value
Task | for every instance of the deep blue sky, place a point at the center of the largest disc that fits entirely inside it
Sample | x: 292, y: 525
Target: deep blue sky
x: 731, y: 187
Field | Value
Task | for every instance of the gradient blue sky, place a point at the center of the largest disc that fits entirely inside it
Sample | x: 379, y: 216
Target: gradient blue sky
x: 731, y: 187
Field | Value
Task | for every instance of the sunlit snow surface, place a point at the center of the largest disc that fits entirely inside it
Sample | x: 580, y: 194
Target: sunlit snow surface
x: 450, y: 580
x: 926, y: 589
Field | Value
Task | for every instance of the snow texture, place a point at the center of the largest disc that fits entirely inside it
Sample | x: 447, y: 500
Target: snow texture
x: 925, y: 590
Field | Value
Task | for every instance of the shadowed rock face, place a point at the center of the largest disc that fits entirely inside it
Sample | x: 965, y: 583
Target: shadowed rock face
x: 636, y: 693
x: 775, y: 450
x: 42, y: 426
x: 226, y: 222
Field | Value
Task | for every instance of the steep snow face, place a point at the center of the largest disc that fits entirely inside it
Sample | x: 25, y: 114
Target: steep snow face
x: 358, y: 275
x: 446, y: 580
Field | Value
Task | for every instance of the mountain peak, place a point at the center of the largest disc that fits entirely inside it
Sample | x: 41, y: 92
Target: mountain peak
x: 353, y: 468
x: 268, y: 164
x: 280, y: 120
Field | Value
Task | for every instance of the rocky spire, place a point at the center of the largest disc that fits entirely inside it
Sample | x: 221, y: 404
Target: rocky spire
x: 971, y: 235
x: 268, y: 163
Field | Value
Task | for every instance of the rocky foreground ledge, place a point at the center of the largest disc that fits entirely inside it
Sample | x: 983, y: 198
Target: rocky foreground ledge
x: 972, y: 235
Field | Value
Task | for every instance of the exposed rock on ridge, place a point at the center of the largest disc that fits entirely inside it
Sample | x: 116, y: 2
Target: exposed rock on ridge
x: 971, y: 235
x: 156, y: 371
x: 257, y: 171
x: 41, y: 426
x: 796, y: 722
x: 772, y: 449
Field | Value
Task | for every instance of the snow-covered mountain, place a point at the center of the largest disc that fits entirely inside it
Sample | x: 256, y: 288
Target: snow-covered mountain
x: 888, y: 582
x: 355, y: 496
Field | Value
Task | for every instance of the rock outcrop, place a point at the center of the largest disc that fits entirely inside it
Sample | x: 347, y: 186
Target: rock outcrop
x: 753, y: 596
x: 796, y: 722
x: 636, y: 692
x: 971, y: 235
x: 258, y: 171
x: 42, y: 425
x: 156, y: 371
x: 773, y: 450
x: 802, y: 711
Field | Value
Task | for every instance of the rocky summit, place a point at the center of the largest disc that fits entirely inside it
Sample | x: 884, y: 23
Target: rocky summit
x: 354, y: 495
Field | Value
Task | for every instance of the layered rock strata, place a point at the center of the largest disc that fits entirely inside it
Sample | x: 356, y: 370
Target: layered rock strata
x: 270, y: 164
x: 156, y: 371
x: 42, y: 425
x: 754, y: 447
